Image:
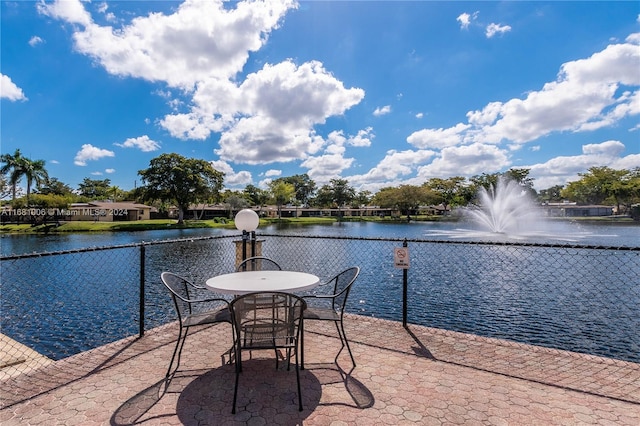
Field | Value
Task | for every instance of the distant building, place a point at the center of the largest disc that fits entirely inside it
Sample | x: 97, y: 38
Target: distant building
x: 104, y: 211
x: 575, y: 210
x: 211, y: 211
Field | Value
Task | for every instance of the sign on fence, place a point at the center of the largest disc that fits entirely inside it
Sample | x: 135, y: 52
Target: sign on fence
x: 401, y: 257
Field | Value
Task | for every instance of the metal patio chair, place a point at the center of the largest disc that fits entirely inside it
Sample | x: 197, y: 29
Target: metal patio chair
x: 258, y: 263
x: 276, y: 325
x: 192, y: 311
x: 330, y: 307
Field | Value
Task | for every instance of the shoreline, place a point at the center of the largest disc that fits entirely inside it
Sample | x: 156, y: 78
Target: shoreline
x: 163, y: 224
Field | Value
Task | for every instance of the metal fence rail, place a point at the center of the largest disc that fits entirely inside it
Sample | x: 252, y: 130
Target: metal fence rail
x: 578, y: 298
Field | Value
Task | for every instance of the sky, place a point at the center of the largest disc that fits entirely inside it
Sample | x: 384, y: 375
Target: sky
x: 380, y: 93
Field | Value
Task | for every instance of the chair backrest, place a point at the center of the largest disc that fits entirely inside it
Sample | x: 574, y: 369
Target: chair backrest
x: 189, y: 298
x: 180, y: 292
x: 266, y: 320
x: 342, y: 286
x: 258, y: 263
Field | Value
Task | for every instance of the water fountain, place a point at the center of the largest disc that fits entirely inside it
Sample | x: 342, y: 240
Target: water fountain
x: 506, y: 211
x: 505, y: 208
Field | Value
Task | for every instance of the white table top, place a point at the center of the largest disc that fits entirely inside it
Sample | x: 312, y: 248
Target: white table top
x: 250, y: 281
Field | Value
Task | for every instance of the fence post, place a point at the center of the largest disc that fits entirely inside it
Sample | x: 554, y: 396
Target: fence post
x: 404, y: 290
x: 142, y: 270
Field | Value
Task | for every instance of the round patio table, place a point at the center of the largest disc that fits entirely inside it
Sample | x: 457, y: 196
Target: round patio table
x: 262, y: 281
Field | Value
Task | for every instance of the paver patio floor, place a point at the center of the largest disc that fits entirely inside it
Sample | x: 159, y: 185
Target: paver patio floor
x: 404, y: 376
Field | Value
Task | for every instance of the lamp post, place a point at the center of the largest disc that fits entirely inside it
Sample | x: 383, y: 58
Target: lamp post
x: 247, y: 221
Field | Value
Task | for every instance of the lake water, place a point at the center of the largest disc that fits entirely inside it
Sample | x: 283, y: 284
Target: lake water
x: 585, y: 300
x: 608, y: 234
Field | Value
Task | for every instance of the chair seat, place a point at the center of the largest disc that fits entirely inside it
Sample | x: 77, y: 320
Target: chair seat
x: 208, y: 317
x: 321, y: 314
x: 265, y: 335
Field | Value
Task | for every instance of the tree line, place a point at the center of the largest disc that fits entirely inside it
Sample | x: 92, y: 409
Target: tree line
x: 173, y: 180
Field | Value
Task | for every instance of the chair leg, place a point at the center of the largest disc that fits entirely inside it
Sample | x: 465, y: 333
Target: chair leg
x: 177, y: 351
x: 235, y: 391
x: 238, y: 371
x: 345, y: 342
x: 302, y: 345
x: 298, y: 379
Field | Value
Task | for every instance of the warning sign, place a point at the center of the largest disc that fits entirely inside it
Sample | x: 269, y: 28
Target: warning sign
x: 401, y: 257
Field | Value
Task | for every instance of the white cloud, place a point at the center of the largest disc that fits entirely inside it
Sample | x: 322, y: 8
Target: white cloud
x: 143, y: 143
x: 35, y: 40
x: 382, y: 110
x: 200, y: 40
x: 273, y: 173
x: 231, y: 177
x: 200, y: 48
x: 333, y: 162
x: 583, y: 98
x: 633, y: 38
x: 222, y: 166
x: 363, y: 138
x: 493, y: 29
x: 102, y: 8
x: 395, y: 169
x: 488, y: 115
x: 609, y: 148
x: 109, y: 171
x: 8, y: 90
x: 71, y: 11
x: 279, y: 106
x: 328, y: 166
x: 467, y: 160
x: 560, y: 170
x: 419, y: 115
x: 336, y: 138
x: 465, y: 19
x: 91, y: 153
x: 586, y: 96
x: 438, y: 138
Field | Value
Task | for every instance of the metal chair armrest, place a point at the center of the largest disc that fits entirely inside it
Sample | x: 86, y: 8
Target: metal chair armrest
x: 214, y: 299
x: 319, y: 296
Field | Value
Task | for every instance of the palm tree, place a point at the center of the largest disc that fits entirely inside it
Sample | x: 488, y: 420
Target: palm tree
x: 18, y: 166
x: 12, y: 166
x: 116, y: 193
x: 34, y: 172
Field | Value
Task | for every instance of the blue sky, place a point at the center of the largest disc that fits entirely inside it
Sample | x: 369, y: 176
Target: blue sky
x: 378, y: 93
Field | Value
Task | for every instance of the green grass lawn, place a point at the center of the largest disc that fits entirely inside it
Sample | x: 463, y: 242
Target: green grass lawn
x: 141, y: 225
x: 88, y: 226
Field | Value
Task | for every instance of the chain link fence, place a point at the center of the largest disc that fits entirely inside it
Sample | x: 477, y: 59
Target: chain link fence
x: 578, y: 298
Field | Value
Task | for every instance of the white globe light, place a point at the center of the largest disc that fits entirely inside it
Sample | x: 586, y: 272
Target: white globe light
x: 247, y: 220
